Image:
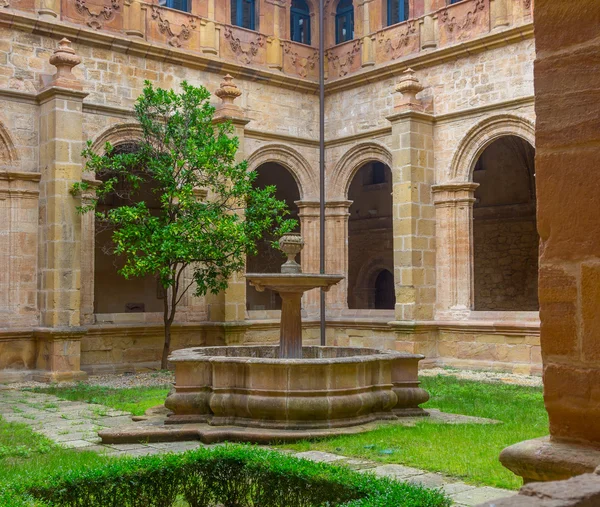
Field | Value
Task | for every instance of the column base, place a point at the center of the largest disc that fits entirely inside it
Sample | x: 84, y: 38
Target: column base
x: 58, y: 354
x: 545, y: 459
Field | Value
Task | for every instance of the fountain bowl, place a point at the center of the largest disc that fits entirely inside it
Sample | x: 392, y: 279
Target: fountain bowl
x: 328, y: 387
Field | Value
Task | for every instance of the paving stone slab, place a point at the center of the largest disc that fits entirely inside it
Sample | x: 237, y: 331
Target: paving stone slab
x: 454, y: 488
x: 320, y: 457
x: 429, y: 480
x: 77, y: 444
x: 478, y: 496
x: 398, y: 472
x: 175, y: 446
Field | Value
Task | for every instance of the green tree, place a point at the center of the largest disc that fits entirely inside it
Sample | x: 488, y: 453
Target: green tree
x: 182, y: 154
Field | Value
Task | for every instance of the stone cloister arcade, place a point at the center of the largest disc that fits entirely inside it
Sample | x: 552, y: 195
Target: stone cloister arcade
x: 360, y: 190
x: 405, y: 192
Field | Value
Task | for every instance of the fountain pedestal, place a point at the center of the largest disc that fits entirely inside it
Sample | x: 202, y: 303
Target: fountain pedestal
x: 291, y: 390
x: 291, y: 287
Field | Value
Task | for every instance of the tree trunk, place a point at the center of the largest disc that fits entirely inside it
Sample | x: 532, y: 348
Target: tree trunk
x: 167, y: 346
x: 167, y: 323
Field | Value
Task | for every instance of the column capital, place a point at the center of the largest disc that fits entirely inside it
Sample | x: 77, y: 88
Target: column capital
x: 337, y: 209
x: 409, y: 114
x: 451, y: 194
x: 308, y: 208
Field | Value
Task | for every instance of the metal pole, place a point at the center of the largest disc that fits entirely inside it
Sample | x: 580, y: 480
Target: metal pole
x: 322, y: 159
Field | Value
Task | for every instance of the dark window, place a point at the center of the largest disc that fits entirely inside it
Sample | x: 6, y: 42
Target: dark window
x: 455, y: 1
x: 300, y: 14
x: 397, y: 11
x: 180, y: 5
x: 243, y: 13
x: 344, y: 21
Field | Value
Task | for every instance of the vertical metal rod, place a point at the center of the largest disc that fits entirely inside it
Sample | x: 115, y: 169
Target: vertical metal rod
x: 322, y: 159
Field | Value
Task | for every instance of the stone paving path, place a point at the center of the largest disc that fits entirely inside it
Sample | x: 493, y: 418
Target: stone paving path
x: 76, y: 425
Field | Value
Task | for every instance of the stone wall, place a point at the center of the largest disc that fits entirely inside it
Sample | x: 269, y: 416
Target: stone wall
x: 505, y: 265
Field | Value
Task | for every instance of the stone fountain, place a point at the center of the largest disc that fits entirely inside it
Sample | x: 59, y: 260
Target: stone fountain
x: 289, y: 389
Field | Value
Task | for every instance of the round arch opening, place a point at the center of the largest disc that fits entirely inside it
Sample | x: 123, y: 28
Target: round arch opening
x: 269, y: 259
x: 505, y: 238
x: 112, y: 292
x: 370, y: 238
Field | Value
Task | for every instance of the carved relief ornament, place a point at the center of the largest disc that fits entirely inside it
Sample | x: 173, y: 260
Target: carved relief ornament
x: 97, y: 20
x: 164, y: 26
x: 243, y: 54
x: 343, y: 63
x: 467, y: 22
x: 302, y: 64
x: 394, y: 46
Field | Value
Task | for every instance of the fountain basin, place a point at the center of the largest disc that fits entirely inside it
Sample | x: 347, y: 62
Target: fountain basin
x: 328, y: 387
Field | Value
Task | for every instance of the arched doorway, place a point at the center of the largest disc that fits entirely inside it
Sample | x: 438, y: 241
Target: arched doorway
x: 112, y: 292
x: 370, y: 238
x: 269, y: 259
x: 385, y: 297
x: 505, y: 239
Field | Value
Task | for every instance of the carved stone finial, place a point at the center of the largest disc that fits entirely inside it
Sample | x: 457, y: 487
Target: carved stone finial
x: 291, y: 244
x: 409, y: 86
x: 64, y: 59
x: 228, y: 91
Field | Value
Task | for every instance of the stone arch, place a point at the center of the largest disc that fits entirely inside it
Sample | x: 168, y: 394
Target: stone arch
x: 484, y: 133
x: 8, y: 153
x: 293, y: 161
x: 366, y: 279
x: 355, y: 158
x: 117, y: 134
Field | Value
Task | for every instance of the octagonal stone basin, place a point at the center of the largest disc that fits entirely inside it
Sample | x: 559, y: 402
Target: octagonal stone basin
x: 329, y: 387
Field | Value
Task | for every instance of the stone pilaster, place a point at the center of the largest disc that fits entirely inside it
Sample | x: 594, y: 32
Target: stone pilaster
x: 275, y: 53
x: 499, y: 13
x: 428, y: 38
x: 337, y: 214
x: 19, y: 193
x: 413, y: 211
x: 134, y: 18
x: 454, y: 249
x: 61, y: 143
x: 209, y: 33
x: 49, y: 9
x: 230, y: 305
x: 309, y: 213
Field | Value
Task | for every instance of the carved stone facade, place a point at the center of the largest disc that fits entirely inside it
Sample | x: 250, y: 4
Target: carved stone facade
x: 415, y: 134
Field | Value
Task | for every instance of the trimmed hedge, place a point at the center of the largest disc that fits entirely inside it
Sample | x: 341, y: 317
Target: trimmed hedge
x: 230, y: 475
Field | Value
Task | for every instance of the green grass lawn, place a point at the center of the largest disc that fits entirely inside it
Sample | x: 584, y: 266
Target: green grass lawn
x: 25, y: 455
x: 466, y: 451
x: 135, y: 400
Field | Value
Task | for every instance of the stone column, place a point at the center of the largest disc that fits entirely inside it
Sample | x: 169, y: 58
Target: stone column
x: 568, y: 189
x: 230, y: 305
x: 413, y: 211
x: 454, y: 249
x: 61, y: 143
x: 499, y: 13
x: 309, y: 212
x: 49, y: 10
x: 337, y: 214
x: 88, y: 258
